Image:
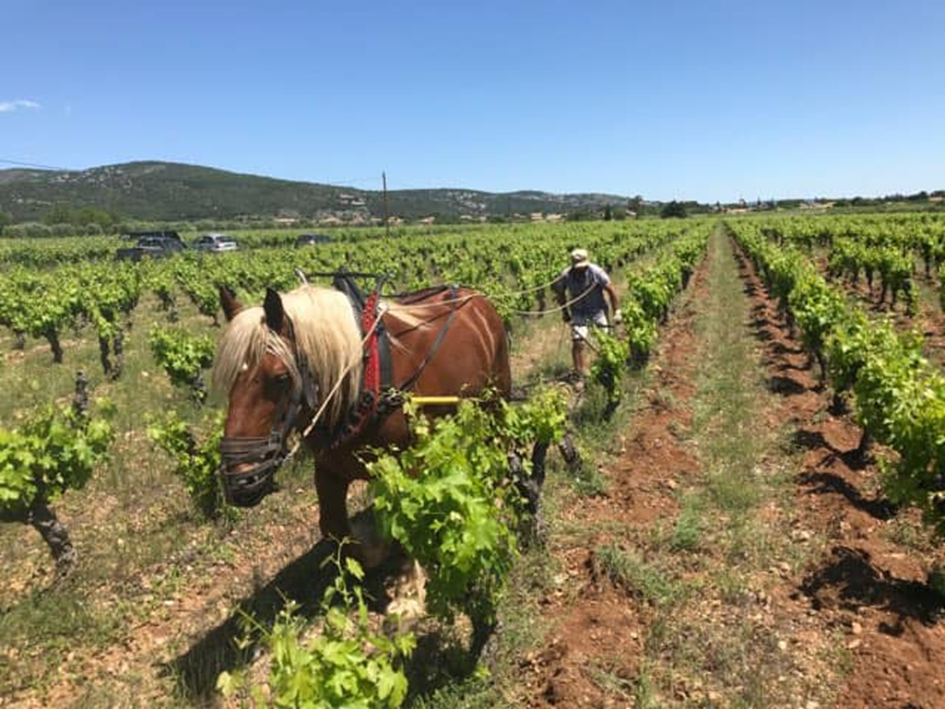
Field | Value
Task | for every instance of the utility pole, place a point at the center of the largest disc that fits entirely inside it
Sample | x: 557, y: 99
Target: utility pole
x: 386, y: 208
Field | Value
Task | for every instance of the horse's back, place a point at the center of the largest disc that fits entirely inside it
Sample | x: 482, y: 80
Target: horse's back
x: 455, y: 335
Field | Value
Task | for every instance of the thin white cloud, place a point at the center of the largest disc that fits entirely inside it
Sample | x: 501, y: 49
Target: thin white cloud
x: 16, y: 105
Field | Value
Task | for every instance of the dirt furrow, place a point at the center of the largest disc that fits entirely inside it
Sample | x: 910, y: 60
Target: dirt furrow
x: 742, y: 555
x: 867, y: 584
x: 593, y: 649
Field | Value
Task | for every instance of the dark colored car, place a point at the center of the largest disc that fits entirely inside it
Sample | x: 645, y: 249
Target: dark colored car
x: 312, y: 239
x: 152, y: 247
x: 163, y: 233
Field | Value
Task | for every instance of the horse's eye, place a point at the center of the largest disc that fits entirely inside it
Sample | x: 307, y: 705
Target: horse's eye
x: 278, y: 383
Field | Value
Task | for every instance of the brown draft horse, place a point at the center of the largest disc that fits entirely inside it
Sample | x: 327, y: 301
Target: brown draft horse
x: 278, y: 361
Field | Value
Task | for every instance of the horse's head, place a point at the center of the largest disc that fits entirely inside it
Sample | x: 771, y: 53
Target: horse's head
x: 269, y: 384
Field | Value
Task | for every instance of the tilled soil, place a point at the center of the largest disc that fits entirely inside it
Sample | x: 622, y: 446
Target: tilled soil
x: 598, y: 627
x: 180, y: 636
x: 866, y: 586
x: 860, y: 593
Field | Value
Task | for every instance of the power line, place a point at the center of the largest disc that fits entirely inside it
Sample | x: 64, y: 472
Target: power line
x: 37, y: 166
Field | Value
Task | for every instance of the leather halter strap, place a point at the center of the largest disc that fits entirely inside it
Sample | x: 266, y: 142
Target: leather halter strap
x: 266, y: 453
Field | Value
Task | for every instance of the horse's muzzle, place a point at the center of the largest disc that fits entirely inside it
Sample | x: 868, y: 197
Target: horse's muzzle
x: 248, y: 468
x: 247, y: 489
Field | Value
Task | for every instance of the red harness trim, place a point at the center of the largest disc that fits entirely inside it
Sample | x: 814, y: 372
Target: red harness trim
x: 370, y: 404
x: 366, y: 408
x: 371, y: 379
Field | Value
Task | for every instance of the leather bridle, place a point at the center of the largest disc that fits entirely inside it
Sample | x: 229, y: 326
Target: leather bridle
x: 245, y: 488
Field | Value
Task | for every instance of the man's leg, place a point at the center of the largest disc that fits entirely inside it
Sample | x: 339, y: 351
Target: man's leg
x: 578, y: 343
x: 577, y: 355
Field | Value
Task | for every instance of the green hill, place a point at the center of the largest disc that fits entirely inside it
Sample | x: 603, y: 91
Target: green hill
x: 173, y: 191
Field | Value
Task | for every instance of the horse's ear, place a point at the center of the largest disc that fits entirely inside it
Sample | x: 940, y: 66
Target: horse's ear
x: 275, y: 313
x: 231, y: 306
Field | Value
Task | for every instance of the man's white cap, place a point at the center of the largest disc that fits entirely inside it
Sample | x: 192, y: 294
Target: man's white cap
x: 579, y: 258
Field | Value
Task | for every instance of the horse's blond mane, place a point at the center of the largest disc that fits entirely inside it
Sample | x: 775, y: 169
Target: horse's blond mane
x: 327, y: 335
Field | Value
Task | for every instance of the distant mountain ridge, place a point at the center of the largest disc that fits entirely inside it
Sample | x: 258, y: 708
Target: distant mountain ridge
x: 167, y: 191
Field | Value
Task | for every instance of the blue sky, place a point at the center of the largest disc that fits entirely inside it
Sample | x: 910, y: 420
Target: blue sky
x: 696, y: 100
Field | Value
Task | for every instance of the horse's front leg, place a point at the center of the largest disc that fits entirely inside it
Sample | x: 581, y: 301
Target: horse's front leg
x: 332, y: 492
x: 363, y: 542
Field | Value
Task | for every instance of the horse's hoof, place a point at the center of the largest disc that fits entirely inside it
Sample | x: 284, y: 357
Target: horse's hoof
x: 409, y: 596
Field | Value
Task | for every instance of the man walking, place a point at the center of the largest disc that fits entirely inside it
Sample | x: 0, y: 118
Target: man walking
x: 581, y: 289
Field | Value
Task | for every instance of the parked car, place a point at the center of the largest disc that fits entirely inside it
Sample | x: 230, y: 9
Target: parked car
x: 312, y: 239
x: 163, y: 233
x: 152, y: 247
x: 216, y: 243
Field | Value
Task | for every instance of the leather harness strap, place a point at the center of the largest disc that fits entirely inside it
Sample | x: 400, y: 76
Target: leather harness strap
x: 441, y: 335
x: 379, y: 394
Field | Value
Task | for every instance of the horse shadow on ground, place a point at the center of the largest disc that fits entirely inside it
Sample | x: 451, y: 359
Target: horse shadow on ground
x: 303, y: 581
x: 438, y: 659
x: 850, y: 581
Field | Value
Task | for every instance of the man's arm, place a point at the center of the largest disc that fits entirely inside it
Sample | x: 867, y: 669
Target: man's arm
x: 614, y: 299
x: 616, y: 315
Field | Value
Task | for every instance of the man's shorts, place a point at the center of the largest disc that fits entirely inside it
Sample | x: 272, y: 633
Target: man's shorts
x: 580, y: 323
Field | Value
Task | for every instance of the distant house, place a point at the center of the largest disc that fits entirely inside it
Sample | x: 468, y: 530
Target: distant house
x: 814, y: 204
x: 428, y: 220
x: 350, y: 200
x: 554, y: 217
x: 537, y: 217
